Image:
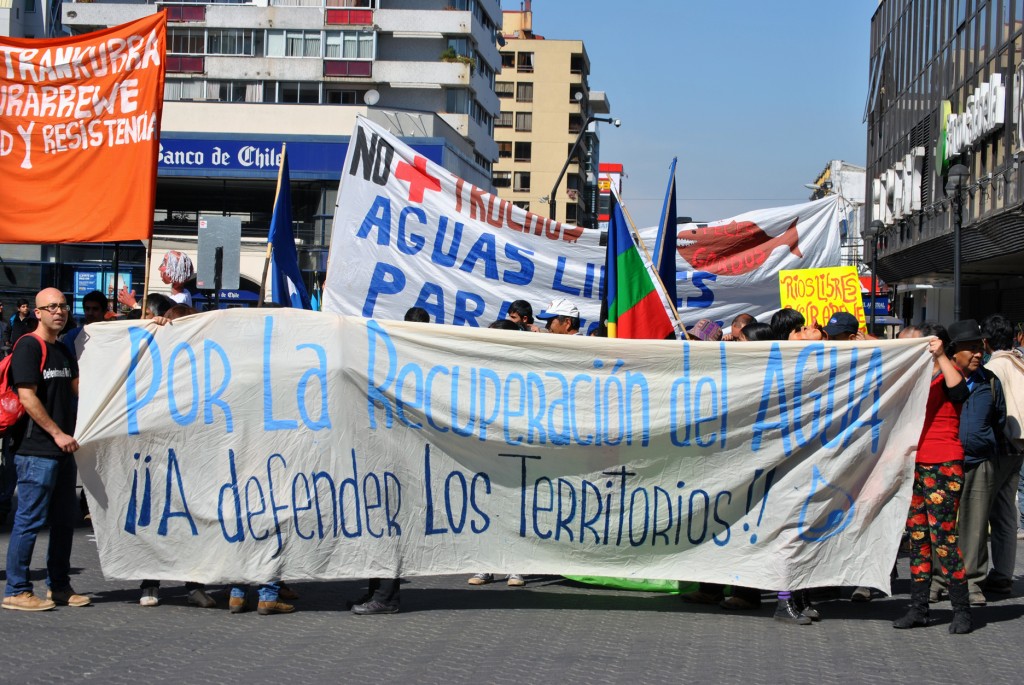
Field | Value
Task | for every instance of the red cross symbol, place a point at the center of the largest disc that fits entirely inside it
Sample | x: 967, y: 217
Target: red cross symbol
x: 418, y: 178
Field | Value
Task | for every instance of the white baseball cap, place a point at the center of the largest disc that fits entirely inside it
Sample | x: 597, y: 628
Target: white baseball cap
x: 559, y: 307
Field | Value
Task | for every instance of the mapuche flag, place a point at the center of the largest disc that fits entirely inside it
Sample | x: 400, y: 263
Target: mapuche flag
x: 637, y: 304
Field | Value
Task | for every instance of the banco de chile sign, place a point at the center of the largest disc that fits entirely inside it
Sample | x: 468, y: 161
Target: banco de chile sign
x: 260, y: 158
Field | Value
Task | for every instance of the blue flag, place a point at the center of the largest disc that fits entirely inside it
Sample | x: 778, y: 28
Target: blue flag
x: 664, y: 257
x: 287, y: 288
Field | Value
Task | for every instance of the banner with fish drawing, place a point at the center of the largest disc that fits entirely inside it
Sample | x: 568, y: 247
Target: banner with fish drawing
x: 251, y: 445
x: 730, y: 267
x: 409, y: 233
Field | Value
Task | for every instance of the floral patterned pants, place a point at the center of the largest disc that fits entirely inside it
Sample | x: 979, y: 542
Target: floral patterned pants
x: 931, y: 522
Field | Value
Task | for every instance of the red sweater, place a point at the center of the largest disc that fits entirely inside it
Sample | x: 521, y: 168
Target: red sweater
x: 940, y: 437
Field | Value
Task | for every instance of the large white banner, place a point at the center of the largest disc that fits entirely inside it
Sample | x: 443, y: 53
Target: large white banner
x: 409, y: 233
x: 249, y: 445
x: 731, y: 267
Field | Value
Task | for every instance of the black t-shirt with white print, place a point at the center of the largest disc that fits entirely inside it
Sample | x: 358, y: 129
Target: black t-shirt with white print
x: 54, y: 389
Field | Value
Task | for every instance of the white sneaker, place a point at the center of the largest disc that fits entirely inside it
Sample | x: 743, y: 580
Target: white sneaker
x: 516, y: 580
x: 481, y: 579
x: 149, y: 597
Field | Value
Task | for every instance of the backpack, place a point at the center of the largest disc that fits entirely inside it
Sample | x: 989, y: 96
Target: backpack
x: 11, y: 409
x: 1009, y: 368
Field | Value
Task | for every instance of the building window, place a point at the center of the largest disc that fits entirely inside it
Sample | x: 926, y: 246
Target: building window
x: 523, y: 151
x: 230, y: 42
x: 334, y: 96
x: 522, y: 204
x: 505, y: 149
x: 524, y: 92
x: 502, y: 179
x: 457, y: 101
x: 524, y: 121
x: 508, y: 60
x: 524, y: 62
x: 522, y: 181
x: 571, y: 213
x: 293, y: 44
x: 504, y: 89
x: 575, y: 123
x: 30, y: 5
x: 504, y: 120
x: 349, y: 45
x: 186, y: 41
x: 300, y: 92
x: 577, y: 64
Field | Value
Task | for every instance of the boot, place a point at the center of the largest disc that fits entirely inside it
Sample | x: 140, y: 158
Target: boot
x: 958, y: 597
x: 802, y: 603
x: 918, y: 614
x: 787, y: 612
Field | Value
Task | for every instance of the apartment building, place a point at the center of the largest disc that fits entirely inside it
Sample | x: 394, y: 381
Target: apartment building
x: 546, y: 107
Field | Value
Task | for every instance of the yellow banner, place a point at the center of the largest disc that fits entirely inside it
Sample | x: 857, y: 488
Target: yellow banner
x: 820, y: 293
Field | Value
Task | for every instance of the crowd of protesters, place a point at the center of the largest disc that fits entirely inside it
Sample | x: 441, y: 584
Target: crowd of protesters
x: 966, y: 513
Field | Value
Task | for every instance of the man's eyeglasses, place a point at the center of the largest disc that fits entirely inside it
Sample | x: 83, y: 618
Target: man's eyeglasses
x: 54, y: 306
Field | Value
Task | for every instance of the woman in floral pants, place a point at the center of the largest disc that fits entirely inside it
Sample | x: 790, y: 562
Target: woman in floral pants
x: 938, y: 480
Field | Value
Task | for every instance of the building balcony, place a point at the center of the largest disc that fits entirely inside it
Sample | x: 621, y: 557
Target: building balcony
x: 89, y: 16
x: 423, y: 74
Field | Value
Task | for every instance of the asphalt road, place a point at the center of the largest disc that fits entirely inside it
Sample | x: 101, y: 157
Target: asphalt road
x: 551, y: 631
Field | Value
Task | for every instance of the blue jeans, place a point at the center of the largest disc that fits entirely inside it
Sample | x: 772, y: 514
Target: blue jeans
x: 1020, y: 497
x: 46, y: 490
x: 267, y: 593
x: 8, y: 477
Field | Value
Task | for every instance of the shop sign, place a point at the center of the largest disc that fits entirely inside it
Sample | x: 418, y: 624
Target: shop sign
x: 984, y: 113
x: 896, y: 193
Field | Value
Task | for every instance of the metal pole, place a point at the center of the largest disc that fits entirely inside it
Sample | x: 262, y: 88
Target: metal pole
x: 874, y: 280
x: 957, y: 221
x: 568, y: 160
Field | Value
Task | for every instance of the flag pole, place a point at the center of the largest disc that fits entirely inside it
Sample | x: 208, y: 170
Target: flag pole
x: 145, y: 282
x: 640, y: 242
x: 270, y: 245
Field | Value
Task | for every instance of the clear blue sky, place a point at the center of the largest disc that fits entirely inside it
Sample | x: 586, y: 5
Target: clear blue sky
x: 753, y: 97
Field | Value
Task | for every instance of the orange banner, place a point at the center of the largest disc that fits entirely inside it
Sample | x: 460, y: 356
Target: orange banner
x: 79, y: 134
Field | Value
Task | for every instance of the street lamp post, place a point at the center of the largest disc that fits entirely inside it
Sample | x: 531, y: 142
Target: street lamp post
x: 575, y: 146
x: 874, y: 232
x: 955, y: 178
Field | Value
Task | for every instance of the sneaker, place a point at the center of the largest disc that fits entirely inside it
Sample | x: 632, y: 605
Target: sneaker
x: 68, y: 598
x: 481, y: 579
x: 237, y: 605
x: 977, y: 599
x: 1020, y: 534
x: 149, y: 597
x: 516, y: 580
x: 273, y: 607
x: 936, y: 595
x: 200, y: 598
x: 374, y: 607
x: 285, y: 592
x: 27, y: 601
x: 861, y: 594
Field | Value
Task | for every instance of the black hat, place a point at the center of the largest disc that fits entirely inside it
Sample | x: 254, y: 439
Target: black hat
x: 964, y: 331
x: 842, y: 322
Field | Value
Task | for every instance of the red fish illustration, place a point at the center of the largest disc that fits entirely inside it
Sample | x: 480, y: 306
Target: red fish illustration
x: 732, y: 249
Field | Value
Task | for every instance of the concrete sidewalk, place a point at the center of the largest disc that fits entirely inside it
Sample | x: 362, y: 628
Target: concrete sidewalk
x: 551, y: 631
